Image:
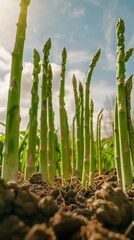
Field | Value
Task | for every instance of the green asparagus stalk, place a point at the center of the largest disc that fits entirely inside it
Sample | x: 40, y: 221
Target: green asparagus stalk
x: 117, y: 146
x: 57, y: 154
x: 31, y: 147
x: 128, y: 89
x: 51, y: 131
x: 79, y: 160
x: 73, y: 149
x: 98, y: 139
x: 92, y: 160
x: 11, y: 142
x: 81, y: 97
x: 64, y: 130
x: 92, y: 65
x: 43, y: 166
x: 121, y: 106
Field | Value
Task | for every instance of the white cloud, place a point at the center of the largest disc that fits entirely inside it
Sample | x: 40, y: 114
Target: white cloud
x: 80, y: 76
x: 78, y: 12
x: 5, y: 60
x: 4, y: 85
x: 78, y: 56
x: 56, y: 76
x: 2, y: 114
x: 65, y: 6
x: 59, y: 35
x: 98, y: 93
x: 8, y: 9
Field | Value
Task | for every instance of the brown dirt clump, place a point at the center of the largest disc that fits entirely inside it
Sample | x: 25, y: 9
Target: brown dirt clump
x: 34, y: 210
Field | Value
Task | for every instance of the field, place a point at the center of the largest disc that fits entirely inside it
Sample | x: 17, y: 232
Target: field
x: 67, y: 184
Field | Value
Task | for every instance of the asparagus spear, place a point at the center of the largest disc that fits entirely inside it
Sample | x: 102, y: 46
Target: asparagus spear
x: 73, y: 149
x: 117, y: 146
x: 81, y: 97
x: 92, y: 160
x: 98, y: 140
x: 128, y: 89
x: 51, y: 131
x: 79, y: 160
x: 121, y: 108
x: 43, y: 166
x: 11, y: 142
x: 64, y: 130
x: 92, y: 65
x: 31, y: 148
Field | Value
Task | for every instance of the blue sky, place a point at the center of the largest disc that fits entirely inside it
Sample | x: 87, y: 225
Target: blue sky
x: 82, y: 26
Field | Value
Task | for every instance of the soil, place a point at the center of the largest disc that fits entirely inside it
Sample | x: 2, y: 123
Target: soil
x: 34, y: 210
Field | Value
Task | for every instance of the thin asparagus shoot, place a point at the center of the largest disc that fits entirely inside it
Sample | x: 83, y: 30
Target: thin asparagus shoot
x: 31, y: 147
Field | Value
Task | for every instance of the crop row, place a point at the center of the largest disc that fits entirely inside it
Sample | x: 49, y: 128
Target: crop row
x: 79, y: 154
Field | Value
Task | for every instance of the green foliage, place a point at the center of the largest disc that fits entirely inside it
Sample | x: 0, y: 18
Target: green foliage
x: 58, y: 158
x: 107, y: 154
x: 23, y: 136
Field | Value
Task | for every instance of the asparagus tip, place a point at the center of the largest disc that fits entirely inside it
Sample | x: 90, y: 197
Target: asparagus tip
x: 64, y: 53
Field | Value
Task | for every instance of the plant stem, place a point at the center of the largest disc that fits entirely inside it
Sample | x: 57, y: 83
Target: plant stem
x: 92, y: 65
x: 98, y: 155
x: 81, y: 97
x: 73, y: 149
x: 117, y: 146
x: 11, y: 142
x: 121, y: 106
x: 128, y: 89
x: 31, y: 147
x: 51, y: 131
x: 43, y: 164
x: 92, y: 160
x: 79, y: 160
x: 64, y: 130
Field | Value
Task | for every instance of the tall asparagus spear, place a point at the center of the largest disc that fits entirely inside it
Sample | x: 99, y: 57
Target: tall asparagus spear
x: 128, y: 89
x: 117, y: 146
x: 121, y: 107
x: 92, y: 160
x: 64, y: 130
x: 11, y: 143
x: 98, y: 140
x: 51, y: 131
x: 31, y: 148
x: 73, y: 149
x: 43, y: 167
x: 81, y: 97
x: 92, y: 65
x: 79, y: 160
